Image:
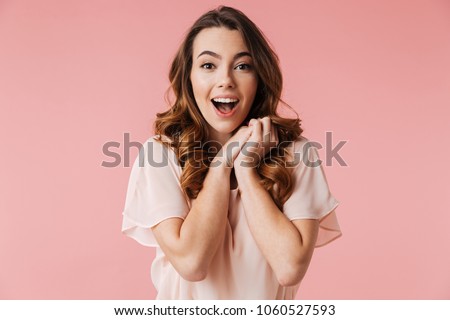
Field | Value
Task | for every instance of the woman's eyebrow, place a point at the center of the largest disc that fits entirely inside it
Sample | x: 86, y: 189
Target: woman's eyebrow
x: 236, y: 56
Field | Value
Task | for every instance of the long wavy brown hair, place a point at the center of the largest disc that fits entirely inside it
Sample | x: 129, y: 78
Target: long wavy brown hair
x: 187, y: 129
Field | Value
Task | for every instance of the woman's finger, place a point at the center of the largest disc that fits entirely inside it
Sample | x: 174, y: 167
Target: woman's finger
x: 267, y: 134
x: 257, y: 131
x: 275, y: 135
x: 235, y: 144
x: 252, y: 122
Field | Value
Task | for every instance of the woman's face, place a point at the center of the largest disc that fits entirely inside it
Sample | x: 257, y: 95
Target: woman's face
x: 223, y: 80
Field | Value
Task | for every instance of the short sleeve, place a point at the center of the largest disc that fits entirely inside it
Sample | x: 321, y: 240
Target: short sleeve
x: 154, y: 193
x: 311, y: 198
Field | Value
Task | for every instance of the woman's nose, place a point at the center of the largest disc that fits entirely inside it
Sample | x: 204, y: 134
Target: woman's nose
x: 226, y: 79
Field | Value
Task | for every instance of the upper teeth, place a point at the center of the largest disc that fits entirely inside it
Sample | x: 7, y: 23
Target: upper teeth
x: 225, y: 100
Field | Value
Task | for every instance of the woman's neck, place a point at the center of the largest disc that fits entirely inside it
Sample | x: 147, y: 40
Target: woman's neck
x: 221, y: 138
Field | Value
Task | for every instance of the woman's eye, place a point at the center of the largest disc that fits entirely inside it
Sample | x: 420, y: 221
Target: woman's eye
x: 206, y: 66
x: 244, y: 66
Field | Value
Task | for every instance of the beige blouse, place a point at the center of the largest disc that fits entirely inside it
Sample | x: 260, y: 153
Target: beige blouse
x: 238, y: 270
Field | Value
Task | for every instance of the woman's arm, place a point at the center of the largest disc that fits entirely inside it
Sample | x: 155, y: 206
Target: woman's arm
x: 191, y: 244
x: 287, y: 246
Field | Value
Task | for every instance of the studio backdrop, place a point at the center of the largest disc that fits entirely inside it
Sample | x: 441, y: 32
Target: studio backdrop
x: 370, y: 76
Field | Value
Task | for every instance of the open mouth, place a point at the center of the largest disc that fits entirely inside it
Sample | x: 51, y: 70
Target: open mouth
x: 225, y: 107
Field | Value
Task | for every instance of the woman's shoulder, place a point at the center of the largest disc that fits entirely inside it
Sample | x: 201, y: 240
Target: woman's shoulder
x: 300, y: 150
x: 159, y: 138
x: 296, y: 145
x: 157, y: 149
x: 158, y: 142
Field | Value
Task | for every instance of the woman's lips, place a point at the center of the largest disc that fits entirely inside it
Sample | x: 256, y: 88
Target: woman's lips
x: 225, y: 115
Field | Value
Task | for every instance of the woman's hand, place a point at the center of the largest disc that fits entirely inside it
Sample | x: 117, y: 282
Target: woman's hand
x: 263, y: 137
x: 231, y: 149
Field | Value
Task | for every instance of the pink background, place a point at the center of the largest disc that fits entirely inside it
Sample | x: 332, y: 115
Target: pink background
x: 77, y: 74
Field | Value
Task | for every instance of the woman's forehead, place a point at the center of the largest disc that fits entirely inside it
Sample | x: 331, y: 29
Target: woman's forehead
x: 221, y: 41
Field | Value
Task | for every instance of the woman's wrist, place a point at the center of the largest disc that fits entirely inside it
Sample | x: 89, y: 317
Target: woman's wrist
x: 246, y: 178
x: 220, y: 164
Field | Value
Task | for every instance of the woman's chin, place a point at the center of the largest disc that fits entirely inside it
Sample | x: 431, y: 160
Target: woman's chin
x: 221, y: 133
x: 226, y: 129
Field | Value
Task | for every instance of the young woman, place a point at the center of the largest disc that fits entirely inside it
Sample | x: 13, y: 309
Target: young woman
x: 231, y: 195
